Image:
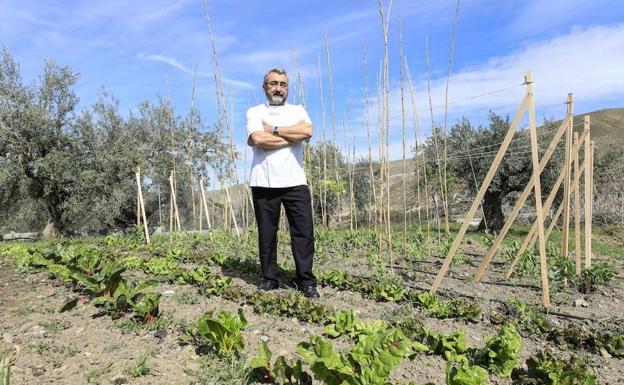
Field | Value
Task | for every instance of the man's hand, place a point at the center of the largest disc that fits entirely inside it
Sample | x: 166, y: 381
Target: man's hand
x: 266, y: 141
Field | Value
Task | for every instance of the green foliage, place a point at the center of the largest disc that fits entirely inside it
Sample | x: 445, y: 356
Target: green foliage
x: 369, y: 362
x: 546, y: 369
x: 600, y: 273
x: 452, y: 308
x: 142, y: 366
x: 221, y: 334
x: 345, y: 322
x: 451, y: 346
x: 75, y: 169
x: 195, y: 276
x: 613, y: 343
x: 160, y: 266
x: 524, y: 316
x: 462, y: 373
x: 500, y: 354
x: 280, y: 372
x: 214, y: 286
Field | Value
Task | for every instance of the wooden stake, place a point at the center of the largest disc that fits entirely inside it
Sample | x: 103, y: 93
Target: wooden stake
x: 484, y: 186
x: 577, y: 207
x: 588, y: 193
x: 138, y: 209
x: 590, y: 171
x: 520, y: 202
x: 141, y: 205
x: 175, y: 205
x: 566, y: 181
x: 538, y: 193
x: 203, y: 197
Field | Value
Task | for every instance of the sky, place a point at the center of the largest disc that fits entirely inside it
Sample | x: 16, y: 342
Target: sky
x: 141, y: 50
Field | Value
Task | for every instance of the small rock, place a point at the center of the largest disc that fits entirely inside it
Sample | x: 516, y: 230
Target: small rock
x: 580, y: 302
x: 168, y: 293
x: 256, y: 331
x: 119, y: 379
x: 8, y: 337
x: 79, y: 330
x: 88, y: 354
x: 605, y: 353
x: 264, y: 338
x: 160, y: 333
x: 38, y: 370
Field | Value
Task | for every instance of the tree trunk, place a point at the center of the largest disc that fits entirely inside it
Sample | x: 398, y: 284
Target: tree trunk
x: 493, y: 208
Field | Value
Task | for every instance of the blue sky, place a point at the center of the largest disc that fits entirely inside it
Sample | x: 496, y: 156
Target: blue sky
x: 140, y: 49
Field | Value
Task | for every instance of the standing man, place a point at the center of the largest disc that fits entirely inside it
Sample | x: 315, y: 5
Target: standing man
x: 276, y: 131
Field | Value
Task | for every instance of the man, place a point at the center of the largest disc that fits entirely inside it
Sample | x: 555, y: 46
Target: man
x: 276, y: 130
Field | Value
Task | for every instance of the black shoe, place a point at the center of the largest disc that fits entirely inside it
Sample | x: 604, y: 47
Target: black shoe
x: 267, y: 284
x: 310, y: 292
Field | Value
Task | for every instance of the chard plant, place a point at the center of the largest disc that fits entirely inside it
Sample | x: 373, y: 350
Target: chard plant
x: 220, y: 334
x: 279, y: 372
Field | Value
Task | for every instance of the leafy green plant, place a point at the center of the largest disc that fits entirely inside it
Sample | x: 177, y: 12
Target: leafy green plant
x: 160, y: 266
x: 547, y: 369
x: 215, y: 285
x: 524, y: 316
x: 195, y: 276
x: 369, y: 362
x: 462, y: 373
x: 128, y: 296
x: 613, y: 343
x: 281, y: 371
x: 500, y: 354
x: 451, y: 346
x: 600, y: 273
x: 345, y: 322
x: 221, y: 334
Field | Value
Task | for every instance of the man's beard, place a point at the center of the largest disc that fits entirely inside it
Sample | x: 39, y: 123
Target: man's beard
x: 276, y: 100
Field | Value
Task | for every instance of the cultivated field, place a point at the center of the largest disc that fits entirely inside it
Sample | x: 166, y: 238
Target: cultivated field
x: 136, y: 313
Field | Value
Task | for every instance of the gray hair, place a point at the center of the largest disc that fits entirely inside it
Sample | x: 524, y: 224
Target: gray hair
x: 279, y: 71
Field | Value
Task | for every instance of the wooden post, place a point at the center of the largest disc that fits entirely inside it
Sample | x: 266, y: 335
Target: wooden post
x: 203, y: 197
x: 138, y: 209
x: 227, y: 194
x: 566, y: 182
x: 577, y: 208
x: 175, y: 205
x: 590, y: 203
x: 201, y: 212
x: 588, y: 192
x: 538, y: 193
x: 520, y: 202
x: 484, y: 186
x: 142, y: 206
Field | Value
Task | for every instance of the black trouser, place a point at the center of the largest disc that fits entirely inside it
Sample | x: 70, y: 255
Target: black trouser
x: 298, y: 207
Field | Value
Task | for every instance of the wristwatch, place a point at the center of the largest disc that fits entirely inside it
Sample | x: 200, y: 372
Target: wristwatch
x: 275, y: 130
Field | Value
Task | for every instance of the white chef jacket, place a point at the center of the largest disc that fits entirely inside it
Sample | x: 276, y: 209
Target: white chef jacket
x: 281, y: 167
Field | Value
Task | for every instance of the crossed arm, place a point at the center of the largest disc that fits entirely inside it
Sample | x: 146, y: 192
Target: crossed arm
x: 287, y: 135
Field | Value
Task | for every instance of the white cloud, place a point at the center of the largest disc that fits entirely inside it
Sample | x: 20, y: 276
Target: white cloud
x: 176, y: 64
x: 587, y: 62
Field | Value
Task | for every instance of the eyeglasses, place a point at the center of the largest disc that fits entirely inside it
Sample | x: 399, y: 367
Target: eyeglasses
x: 275, y: 83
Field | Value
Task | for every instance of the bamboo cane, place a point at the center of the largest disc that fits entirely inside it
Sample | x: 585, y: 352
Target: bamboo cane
x: 566, y: 182
x: 577, y: 207
x: 141, y: 204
